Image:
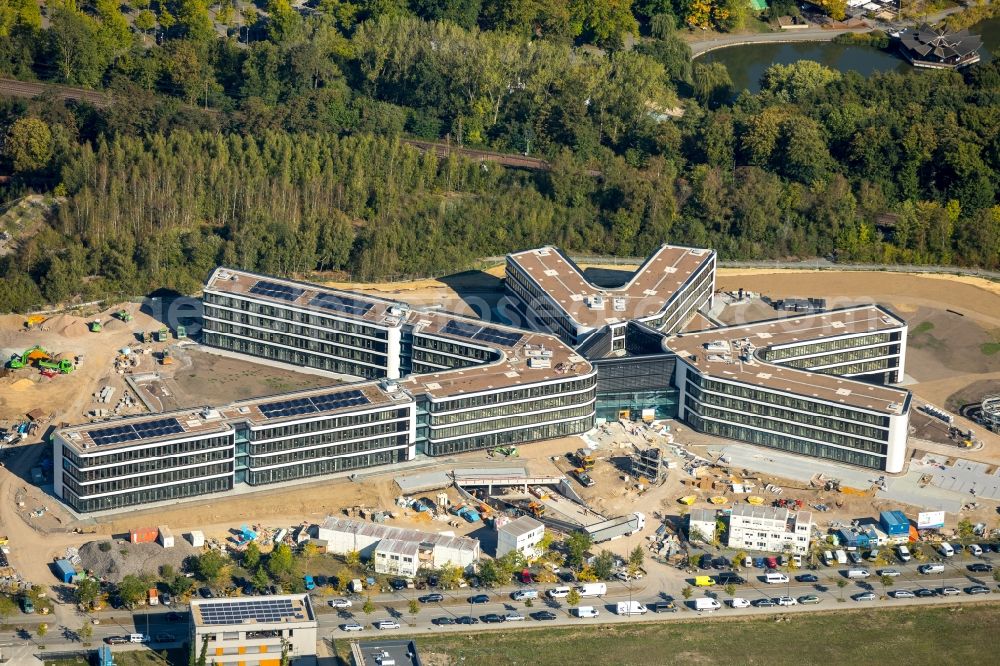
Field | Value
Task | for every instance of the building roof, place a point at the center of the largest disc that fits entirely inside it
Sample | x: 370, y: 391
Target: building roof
x: 520, y: 526
x: 376, y: 531
x: 398, y: 547
x: 647, y: 293
x: 376, y: 653
x: 715, y: 353
x: 933, y: 45
x: 282, y: 609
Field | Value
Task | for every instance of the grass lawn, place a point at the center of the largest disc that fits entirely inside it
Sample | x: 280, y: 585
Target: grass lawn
x: 965, y: 634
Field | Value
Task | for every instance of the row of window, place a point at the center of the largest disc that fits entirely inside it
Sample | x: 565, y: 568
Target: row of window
x: 784, y: 400
x: 499, y: 397
x: 809, y: 419
x: 329, y: 466
x: 308, y: 344
x: 147, y: 495
x: 490, y: 440
x: 348, y: 422
x: 293, y: 315
x: 793, y: 429
x: 283, y: 326
x: 509, y: 422
x: 168, y: 449
x: 294, y: 357
x: 335, y: 449
x: 168, y: 476
x: 844, y: 357
x: 509, y: 409
x: 785, y: 443
x: 828, y: 345
x: 147, y: 466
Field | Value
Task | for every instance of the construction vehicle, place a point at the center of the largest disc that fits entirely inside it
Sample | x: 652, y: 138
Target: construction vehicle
x: 181, y: 332
x: 163, y: 334
x: 64, y: 366
x: 95, y: 326
x: 124, y: 315
x: 33, y: 354
x: 584, y: 460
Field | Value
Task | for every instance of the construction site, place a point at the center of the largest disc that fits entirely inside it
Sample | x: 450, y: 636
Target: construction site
x: 93, y: 365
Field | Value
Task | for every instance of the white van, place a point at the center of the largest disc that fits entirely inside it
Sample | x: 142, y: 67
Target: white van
x: 946, y: 549
x: 858, y: 573
x: 137, y: 638
x: 587, y: 611
x: 774, y: 577
x: 706, y: 604
x: 928, y: 569
x: 558, y: 593
x: 904, y: 553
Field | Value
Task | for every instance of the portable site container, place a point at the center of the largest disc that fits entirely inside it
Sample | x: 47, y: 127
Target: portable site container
x: 166, y: 536
x: 143, y: 535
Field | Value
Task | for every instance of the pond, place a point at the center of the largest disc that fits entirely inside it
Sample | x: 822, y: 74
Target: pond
x: 747, y: 63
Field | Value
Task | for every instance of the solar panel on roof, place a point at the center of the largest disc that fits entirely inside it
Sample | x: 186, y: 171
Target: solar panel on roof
x: 274, y: 410
x: 275, y: 290
x: 506, y: 338
x: 238, y: 612
x: 454, y: 327
x: 343, y: 304
x: 133, y: 432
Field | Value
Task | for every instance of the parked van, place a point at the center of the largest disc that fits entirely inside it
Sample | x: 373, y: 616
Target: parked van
x: 841, y: 556
x: 858, y: 573
x: 946, y: 549
x: 927, y: 569
x: 558, y: 593
x: 704, y: 581
x: 587, y: 611
x: 592, y: 589
x: 631, y: 608
x: 904, y: 553
x: 521, y: 595
x: 706, y: 604
x: 136, y: 638
x: 774, y: 577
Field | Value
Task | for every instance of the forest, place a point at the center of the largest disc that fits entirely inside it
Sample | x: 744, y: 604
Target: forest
x: 275, y: 146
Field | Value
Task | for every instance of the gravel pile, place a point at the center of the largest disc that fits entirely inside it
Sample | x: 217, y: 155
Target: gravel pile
x: 126, y: 558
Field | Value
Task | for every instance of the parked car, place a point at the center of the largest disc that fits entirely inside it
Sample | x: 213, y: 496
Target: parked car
x: 340, y: 603
x: 977, y: 589
x: 433, y: 597
x: 807, y: 578
x: 479, y: 599
x: 352, y: 626
x: 466, y: 619
x: 544, y: 615
x: 902, y: 594
x: 865, y: 596
x: 809, y: 599
x: 981, y: 567
x: 763, y: 603
x: 443, y: 620
x: 491, y: 618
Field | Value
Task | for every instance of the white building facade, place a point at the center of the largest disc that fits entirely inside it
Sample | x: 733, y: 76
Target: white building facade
x: 769, y: 529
